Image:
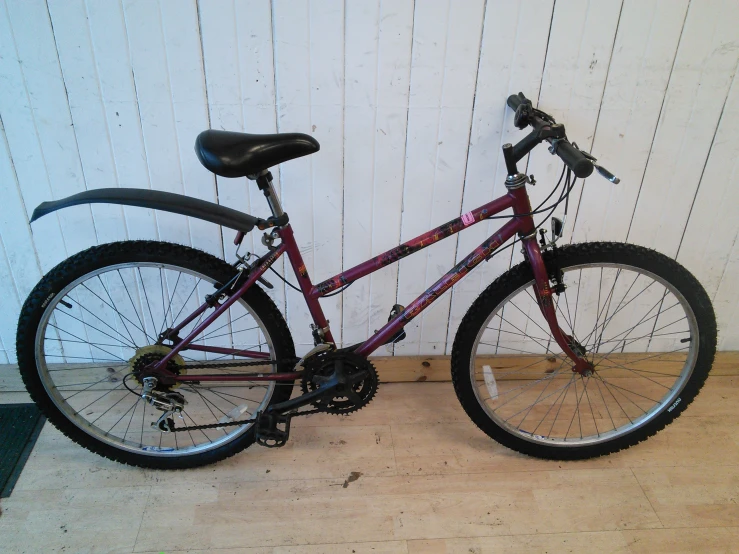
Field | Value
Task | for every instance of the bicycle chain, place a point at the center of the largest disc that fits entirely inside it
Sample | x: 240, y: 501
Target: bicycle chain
x: 234, y: 423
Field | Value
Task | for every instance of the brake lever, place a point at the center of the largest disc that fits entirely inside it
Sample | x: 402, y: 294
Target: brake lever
x: 607, y: 174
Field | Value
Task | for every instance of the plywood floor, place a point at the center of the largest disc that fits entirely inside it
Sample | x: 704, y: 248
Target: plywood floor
x: 409, y: 474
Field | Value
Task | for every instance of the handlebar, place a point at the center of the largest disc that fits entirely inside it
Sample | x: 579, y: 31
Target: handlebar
x: 545, y: 129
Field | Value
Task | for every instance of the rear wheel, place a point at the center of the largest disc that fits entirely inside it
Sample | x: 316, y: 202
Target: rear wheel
x: 93, y: 323
x: 642, y: 319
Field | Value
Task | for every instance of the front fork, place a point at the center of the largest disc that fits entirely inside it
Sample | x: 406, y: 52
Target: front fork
x: 546, y: 304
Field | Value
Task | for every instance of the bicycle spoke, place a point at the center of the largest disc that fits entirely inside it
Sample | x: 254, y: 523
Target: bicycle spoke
x: 169, y: 305
x: 643, y: 377
x: 175, y: 318
x: 608, y: 411
x: 538, y: 398
x: 523, y: 334
x: 135, y: 310
x: 608, y: 307
x: 96, y: 329
x: 556, y: 416
x: 112, y: 306
x: 226, y: 325
x: 146, y: 297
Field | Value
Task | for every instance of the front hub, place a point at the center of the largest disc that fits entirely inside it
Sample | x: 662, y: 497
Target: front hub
x: 582, y: 366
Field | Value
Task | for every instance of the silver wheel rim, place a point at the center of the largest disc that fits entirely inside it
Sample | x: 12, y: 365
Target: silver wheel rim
x: 207, y: 440
x: 515, y: 419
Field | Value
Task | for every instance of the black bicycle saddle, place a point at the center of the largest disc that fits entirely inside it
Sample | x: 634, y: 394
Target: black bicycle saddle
x: 230, y: 154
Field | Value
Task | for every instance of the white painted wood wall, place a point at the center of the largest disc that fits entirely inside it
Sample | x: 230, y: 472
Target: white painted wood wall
x: 408, y: 102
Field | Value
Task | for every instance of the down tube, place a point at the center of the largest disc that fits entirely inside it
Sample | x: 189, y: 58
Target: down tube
x: 440, y: 287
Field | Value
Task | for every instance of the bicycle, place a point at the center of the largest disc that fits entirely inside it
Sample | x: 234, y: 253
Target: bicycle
x: 158, y: 355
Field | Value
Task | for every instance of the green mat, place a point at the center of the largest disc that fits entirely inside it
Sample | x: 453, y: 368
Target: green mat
x: 20, y: 425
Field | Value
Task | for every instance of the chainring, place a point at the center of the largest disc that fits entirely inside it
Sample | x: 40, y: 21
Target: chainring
x: 322, y: 366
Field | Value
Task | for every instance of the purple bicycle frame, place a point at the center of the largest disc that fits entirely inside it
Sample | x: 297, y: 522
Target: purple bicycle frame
x: 522, y: 224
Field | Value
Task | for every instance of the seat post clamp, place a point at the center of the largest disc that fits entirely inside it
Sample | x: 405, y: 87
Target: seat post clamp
x: 264, y: 181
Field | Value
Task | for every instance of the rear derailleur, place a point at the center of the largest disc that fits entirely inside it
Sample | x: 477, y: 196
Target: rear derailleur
x: 169, y: 402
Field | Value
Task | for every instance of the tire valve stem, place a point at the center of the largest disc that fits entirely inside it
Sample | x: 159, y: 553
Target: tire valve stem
x: 65, y: 304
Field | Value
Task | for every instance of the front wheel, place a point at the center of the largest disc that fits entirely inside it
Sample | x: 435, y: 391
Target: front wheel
x: 642, y: 319
x: 95, y: 321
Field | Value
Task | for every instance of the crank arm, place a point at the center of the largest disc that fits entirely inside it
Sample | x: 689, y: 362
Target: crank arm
x: 308, y: 398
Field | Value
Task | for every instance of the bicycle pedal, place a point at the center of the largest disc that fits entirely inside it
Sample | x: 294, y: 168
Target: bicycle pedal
x: 269, y: 433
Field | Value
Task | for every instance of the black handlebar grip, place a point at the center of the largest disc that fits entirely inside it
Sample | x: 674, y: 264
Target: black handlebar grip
x: 513, y: 101
x: 574, y: 159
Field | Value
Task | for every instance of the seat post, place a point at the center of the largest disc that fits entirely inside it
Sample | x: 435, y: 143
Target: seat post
x: 264, y: 182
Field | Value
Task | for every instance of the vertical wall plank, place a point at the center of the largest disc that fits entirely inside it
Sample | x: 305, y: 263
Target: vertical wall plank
x: 222, y: 37
x: 725, y: 304
x: 146, y: 42
x: 238, y: 58
x: 704, y: 68
x: 512, y: 58
x: 76, y: 58
x: 396, y: 39
x: 49, y: 101
x: 189, y: 108
x: 256, y: 59
x: 443, y: 76
x: 310, y: 97
x: 360, y: 141
x: 578, y: 58
x: 377, y: 85
x: 710, y: 245
x: 642, y: 61
x: 19, y: 268
x: 292, y: 76
x: 15, y: 231
x: 118, y: 92
x: 327, y: 124
x: 38, y: 127
x: 9, y: 304
x: 713, y: 225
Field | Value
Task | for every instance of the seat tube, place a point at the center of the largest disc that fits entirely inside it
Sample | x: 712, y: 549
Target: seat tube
x: 321, y: 326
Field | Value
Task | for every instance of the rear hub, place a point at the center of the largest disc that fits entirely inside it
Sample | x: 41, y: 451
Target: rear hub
x: 145, y: 357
